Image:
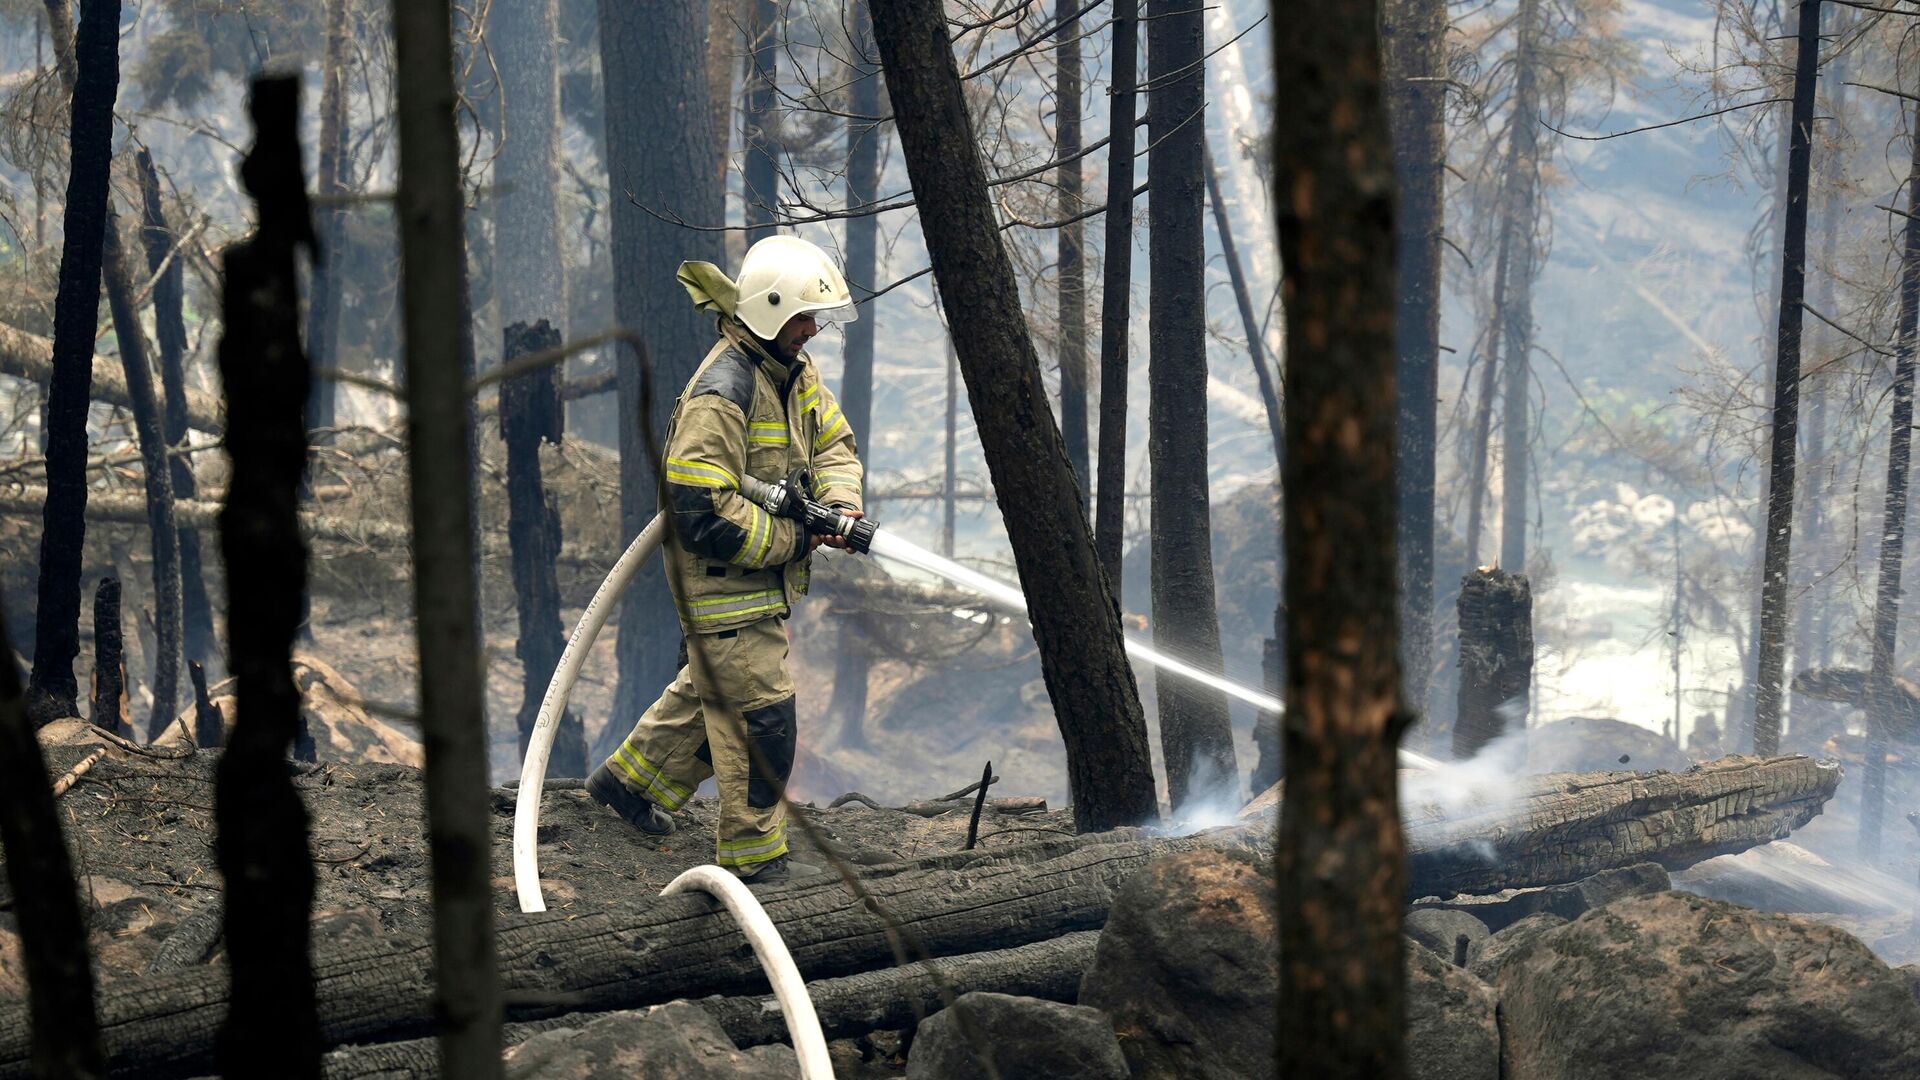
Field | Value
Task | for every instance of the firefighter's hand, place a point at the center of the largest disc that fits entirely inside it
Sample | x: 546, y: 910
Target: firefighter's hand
x: 836, y: 541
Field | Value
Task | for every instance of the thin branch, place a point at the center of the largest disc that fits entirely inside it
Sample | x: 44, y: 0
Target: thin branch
x: 548, y: 357
x: 1815, y: 312
x: 1667, y: 124
x: 1886, y: 90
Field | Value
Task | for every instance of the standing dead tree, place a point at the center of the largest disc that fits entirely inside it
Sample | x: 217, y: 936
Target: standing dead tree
x: 1893, y: 529
x: 439, y: 442
x: 1342, y: 856
x: 1116, y: 294
x: 273, y: 1027
x: 761, y: 176
x: 325, y: 301
x: 95, y: 78
x: 53, y: 933
x: 107, y: 707
x: 1070, y: 264
x: 531, y: 413
x: 1075, y: 621
x: 1196, y: 736
x: 1775, y: 616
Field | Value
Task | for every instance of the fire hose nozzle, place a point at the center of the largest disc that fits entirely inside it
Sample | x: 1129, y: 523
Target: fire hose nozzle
x: 789, y: 499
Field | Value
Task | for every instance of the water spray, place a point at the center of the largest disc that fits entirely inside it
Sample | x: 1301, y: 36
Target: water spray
x: 787, y: 499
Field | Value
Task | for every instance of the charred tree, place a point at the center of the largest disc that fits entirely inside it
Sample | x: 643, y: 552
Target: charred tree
x: 1116, y: 293
x: 527, y: 252
x: 1496, y: 657
x: 530, y: 413
x: 1893, y: 529
x: 439, y: 444
x: 261, y: 841
x: 947, y: 482
x: 197, y: 641
x: 1414, y: 54
x: 1514, y: 308
x: 209, y: 727
x: 760, y: 187
x: 107, y: 705
x: 325, y: 300
x: 1075, y: 621
x: 1196, y: 737
x: 95, y: 80
x: 1775, y: 616
x: 659, y: 145
x: 65, y: 1031
x: 1342, y: 857
x: 863, y: 266
x: 1069, y: 263
x: 1243, y: 300
x: 723, y: 20
x: 157, y: 474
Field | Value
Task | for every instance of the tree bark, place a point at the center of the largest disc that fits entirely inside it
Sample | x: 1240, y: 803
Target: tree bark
x: 324, y: 300
x: 1196, y: 736
x: 760, y: 186
x: 60, y: 1034
x: 1518, y: 228
x: 659, y: 145
x: 262, y: 826
x: 1414, y: 52
x: 157, y: 473
x: 722, y: 16
x: 947, y: 482
x: 1116, y: 294
x: 51, y: 691
x: 30, y: 356
x: 1249, y: 324
x: 530, y: 413
x: 197, y: 640
x: 209, y: 726
x: 1069, y: 262
x: 864, y: 140
x: 1775, y: 613
x: 1496, y: 658
x: 1893, y: 530
x: 1076, y: 623
x: 107, y: 705
x: 1342, y: 858
x: 440, y: 439
x: 528, y: 254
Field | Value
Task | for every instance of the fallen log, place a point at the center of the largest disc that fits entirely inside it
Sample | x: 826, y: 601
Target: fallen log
x: 1546, y: 830
x: 204, y: 514
x: 30, y: 356
x: 889, y: 999
x: 1851, y: 686
x: 1563, y: 827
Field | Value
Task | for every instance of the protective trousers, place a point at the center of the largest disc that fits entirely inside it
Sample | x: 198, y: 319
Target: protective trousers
x: 733, y: 722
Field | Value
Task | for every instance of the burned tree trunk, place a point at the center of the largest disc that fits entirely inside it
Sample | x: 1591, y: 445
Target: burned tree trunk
x: 107, y: 705
x: 440, y: 440
x: 209, y: 727
x: 324, y: 302
x: 196, y: 612
x: 262, y: 826
x: 62, y: 1032
x: 1496, y: 657
x: 1893, y: 529
x: 1115, y: 296
x: 1243, y: 300
x: 530, y: 413
x: 1196, y: 736
x: 157, y: 474
x: 1341, y: 854
x: 1775, y: 616
x: 95, y: 63
x: 761, y: 190
x: 1075, y: 621
x: 1069, y: 263
x: 1514, y: 318
x: 948, y: 477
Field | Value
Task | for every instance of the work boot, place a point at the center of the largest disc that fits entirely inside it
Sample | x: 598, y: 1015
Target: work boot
x: 639, y: 811
x: 777, y: 871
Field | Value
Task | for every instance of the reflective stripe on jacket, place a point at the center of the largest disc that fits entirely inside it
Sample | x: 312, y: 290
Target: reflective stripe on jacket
x: 746, y: 414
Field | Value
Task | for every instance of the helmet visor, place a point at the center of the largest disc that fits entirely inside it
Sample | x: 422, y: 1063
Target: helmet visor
x: 845, y: 312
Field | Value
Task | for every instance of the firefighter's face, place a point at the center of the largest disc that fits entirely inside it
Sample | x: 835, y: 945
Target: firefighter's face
x: 794, y: 336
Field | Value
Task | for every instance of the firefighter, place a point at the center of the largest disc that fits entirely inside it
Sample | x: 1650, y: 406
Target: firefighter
x: 756, y: 406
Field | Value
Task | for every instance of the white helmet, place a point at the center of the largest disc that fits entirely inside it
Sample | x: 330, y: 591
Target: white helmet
x: 784, y: 276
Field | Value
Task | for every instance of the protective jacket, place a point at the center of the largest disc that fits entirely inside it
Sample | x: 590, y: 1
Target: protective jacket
x: 745, y: 412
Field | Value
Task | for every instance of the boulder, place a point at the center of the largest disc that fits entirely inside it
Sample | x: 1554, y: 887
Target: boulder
x: 676, y: 1041
x: 1441, y: 928
x: 1568, y: 901
x: 1487, y: 958
x: 1027, y: 1038
x: 1601, y: 744
x: 1188, y: 968
x: 1680, y: 985
x: 1452, y: 1033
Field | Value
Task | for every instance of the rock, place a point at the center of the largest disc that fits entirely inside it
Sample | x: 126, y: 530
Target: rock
x: 1783, y: 876
x: 1441, y: 928
x: 1680, y: 985
x: 1188, y: 968
x: 676, y: 1041
x: 1601, y: 744
x: 1452, y: 1033
x: 1911, y: 973
x: 1485, y: 960
x: 1028, y: 1038
x: 1568, y: 901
